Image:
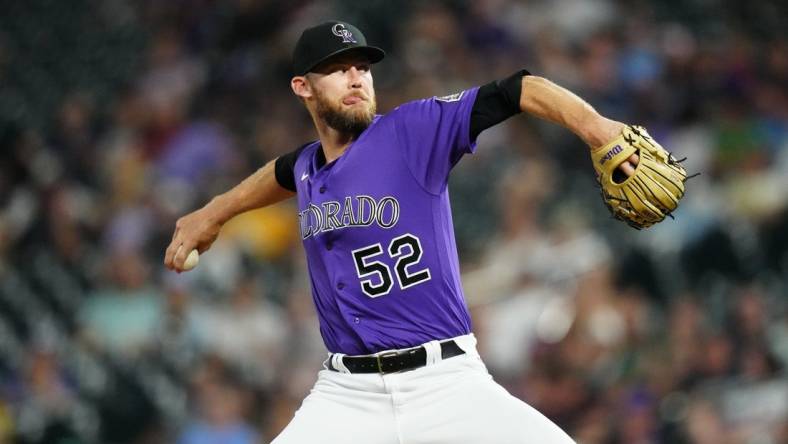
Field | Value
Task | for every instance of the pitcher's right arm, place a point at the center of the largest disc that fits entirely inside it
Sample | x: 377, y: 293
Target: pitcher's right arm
x: 200, y: 228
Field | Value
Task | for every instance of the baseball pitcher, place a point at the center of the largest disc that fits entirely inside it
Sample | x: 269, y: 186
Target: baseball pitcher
x: 375, y: 220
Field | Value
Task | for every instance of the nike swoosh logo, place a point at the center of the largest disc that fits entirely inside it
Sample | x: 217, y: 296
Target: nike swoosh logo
x: 304, y: 176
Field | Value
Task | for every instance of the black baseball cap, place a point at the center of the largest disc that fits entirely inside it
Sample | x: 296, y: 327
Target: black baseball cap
x: 319, y: 43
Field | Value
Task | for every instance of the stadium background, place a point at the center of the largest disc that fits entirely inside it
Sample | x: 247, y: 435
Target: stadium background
x: 118, y: 116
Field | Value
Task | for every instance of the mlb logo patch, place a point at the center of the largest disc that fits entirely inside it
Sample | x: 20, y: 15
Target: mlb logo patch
x: 451, y: 97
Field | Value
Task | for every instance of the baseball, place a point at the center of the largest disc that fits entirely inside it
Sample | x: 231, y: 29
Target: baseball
x: 191, y: 260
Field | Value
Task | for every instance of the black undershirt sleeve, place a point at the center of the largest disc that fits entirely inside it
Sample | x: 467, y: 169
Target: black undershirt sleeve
x: 285, y: 166
x: 496, y: 102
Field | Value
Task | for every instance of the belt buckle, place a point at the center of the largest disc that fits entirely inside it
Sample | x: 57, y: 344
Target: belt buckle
x: 384, y: 355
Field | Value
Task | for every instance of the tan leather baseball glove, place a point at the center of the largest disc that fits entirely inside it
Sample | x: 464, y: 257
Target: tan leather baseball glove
x: 652, y: 192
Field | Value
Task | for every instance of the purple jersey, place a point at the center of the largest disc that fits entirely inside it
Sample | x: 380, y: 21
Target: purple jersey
x: 377, y: 228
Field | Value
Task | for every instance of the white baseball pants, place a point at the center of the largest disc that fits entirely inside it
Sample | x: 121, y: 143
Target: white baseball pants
x: 454, y: 401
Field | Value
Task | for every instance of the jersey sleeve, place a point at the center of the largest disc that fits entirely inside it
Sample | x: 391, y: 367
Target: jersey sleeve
x: 283, y: 168
x: 434, y: 134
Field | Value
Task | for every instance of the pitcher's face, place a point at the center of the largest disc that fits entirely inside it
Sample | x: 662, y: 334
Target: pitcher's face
x: 343, y: 93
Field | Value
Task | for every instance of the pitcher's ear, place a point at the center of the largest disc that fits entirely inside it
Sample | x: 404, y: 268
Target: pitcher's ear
x: 301, y: 87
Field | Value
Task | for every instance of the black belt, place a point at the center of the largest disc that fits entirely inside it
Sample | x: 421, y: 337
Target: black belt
x: 396, y: 361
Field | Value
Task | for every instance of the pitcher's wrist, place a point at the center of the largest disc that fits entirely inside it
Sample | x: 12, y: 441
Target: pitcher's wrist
x: 600, y: 131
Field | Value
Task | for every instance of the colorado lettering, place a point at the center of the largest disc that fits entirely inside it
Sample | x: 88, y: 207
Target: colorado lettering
x: 358, y: 211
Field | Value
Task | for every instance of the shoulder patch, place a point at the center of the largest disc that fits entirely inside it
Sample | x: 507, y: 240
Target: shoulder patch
x: 451, y: 97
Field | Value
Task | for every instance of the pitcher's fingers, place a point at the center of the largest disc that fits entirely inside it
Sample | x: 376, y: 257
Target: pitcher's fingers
x: 634, y: 159
x: 169, y: 254
x: 627, y: 168
x: 180, y: 254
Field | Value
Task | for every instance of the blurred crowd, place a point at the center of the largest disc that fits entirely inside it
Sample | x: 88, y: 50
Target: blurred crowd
x: 117, y: 117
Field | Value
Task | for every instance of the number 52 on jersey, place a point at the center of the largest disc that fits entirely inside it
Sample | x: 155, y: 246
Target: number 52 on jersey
x: 376, y: 277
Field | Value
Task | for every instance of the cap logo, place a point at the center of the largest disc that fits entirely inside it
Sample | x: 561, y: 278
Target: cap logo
x: 340, y: 31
